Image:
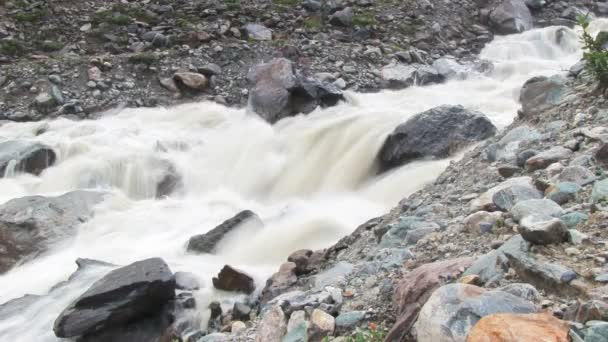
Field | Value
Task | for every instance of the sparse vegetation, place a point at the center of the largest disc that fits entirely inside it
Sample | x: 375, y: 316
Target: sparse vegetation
x: 30, y: 16
x: 371, y: 334
x: 364, y: 19
x: 595, y: 54
x: 50, y: 46
x: 233, y: 5
x: 11, y: 47
x: 143, y: 58
x: 313, y: 23
x: 287, y: 2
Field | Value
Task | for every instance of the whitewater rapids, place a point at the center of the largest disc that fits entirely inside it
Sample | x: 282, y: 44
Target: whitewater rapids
x: 312, y: 179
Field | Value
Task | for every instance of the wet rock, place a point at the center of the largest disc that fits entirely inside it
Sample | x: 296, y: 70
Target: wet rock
x: 448, y: 68
x: 416, y: 287
x: 524, y: 155
x: 322, y: 324
x: 258, y: 32
x: 25, y: 156
x: 186, y: 281
x: 438, y: 132
x: 207, y: 243
x: 280, y: 282
x: 541, y: 93
x: 399, y: 76
x: 454, y: 309
x: 121, y: 297
x: 241, y: 312
x: 546, y: 158
x: 171, y: 180
x: 536, y: 210
x: 278, y: 92
x: 511, y: 16
x: 30, y: 225
x: 45, y: 102
x: 230, y: 279
x: 541, y: 327
x: 545, y: 232
x: 190, y: 81
x: 273, y: 327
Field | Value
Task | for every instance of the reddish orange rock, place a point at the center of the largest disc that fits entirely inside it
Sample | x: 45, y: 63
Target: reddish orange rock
x: 542, y: 327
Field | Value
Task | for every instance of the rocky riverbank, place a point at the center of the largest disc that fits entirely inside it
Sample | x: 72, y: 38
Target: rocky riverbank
x: 66, y: 58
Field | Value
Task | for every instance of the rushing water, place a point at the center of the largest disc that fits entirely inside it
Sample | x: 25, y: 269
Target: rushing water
x: 310, y: 178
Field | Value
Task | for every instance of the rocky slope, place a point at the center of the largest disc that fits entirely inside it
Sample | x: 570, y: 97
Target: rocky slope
x: 81, y: 57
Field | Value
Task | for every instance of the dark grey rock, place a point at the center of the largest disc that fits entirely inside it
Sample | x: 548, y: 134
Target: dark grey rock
x: 506, y: 198
x: 27, y: 156
x: 186, y: 281
x: 241, y: 312
x: 438, y: 132
x: 541, y: 93
x: 206, y: 243
x: 399, y: 76
x: 29, y: 225
x: 121, y: 297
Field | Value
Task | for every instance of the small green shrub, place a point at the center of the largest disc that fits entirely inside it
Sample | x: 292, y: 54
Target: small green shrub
x: 11, y: 47
x: 364, y: 19
x: 30, y: 17
x: 50, y: 46
x: 594, y: 54
x: 287, y: 2
x: 312, y: 23
x: 371, y: 334
x: 143, y: 58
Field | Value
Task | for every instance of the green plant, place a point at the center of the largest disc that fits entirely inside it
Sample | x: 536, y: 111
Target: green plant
x: 233, y: 5
x: 364, y: 19
x: 594, y: 53
x: 143, y: 58
x: 50, y: 46
x: 29, y: 17
x: 371, y: 334
x: 11, y: 47
x: 312, y: 23
x: 286, y: 2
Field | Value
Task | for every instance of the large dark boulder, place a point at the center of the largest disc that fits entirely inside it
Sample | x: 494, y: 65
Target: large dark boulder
x: 280, y: 91
x: 438, y: 132
x: 29, y: 225
x: 27, y: 156
x: 206, y: 243
x: 130, y: 296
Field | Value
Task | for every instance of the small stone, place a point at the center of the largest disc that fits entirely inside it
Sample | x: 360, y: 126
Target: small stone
x: 191, y: 80
x: 571, y: 251
x: 241, y: 312
x: 568, y: 276
x: 322, y: 324
x: 238, y: 328
x: 544, y: 232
